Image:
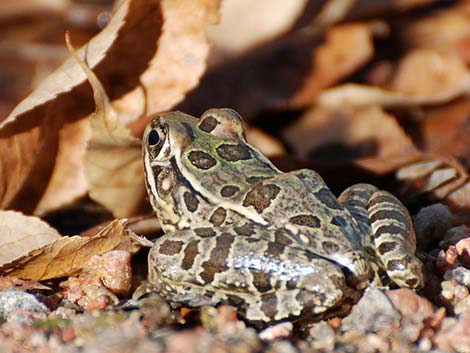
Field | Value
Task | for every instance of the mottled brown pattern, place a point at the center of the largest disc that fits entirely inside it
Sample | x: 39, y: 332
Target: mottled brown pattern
x: 261, y: 281
x: 208, y: 124
x: 216, y: 262
x: 233, y: 153
x: 190, y: 201
x: 306, y: 220
x: 280, y: 237
x: 244, y: 230
x: 190, y: 253
x: 274, y: 250
x: 218, y: 217
x: 229, y: 190
x: 269, y: 305
x: 329, y: 247
x: 201, y: 160
x: 166, y: 176
x: 339, y: 221
x: 255, y: 179
x: 171, y: 247
x: 260, y: 196
x: 326, y: 197
x: 397, y: 264
x: 205, y: 232
x: 388, y: 214
x: 386, y: 247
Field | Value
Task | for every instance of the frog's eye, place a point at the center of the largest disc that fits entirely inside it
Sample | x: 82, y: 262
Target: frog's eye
x: 154, y: 138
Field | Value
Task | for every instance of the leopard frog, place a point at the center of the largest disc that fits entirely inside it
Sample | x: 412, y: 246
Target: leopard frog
x: 275, y: 245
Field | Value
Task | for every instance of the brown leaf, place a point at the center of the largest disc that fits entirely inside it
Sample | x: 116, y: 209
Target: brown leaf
x: 445, y: 29
x: 67, y: 255
x: 288, y: 72
x: 347, y: 47
x: 20, y: 234
x: 360, y: 132
x: 431, y: 77
x: 132, y: 51
x: 239, y: 29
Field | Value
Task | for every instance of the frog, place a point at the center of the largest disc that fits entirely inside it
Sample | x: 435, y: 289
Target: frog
x: 276, y: 245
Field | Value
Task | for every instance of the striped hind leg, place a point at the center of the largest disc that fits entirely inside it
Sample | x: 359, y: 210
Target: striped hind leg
x: 388, y: 230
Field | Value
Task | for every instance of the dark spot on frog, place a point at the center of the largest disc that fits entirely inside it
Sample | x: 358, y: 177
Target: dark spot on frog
x: 156, y: 169
x: 218, y: 217
x: 235, y: 300
x: 190, y: 253
x: 261, y: 280
x: 338, y: 221
x: 233, y: 153
x: 326, y: 197
x: 229, y: 190
x: 292, y: 283
x: 255, y: 179
x: 205, y: 232
x: 382, y: 197
x: 306, y: 220
x: 386, y: 247
x: 390, y: 229
x: 216, y: 262
x: 201, y: 160
x: 190, y: 201
x: 244, y: 230
x: 412, y: 282
x: 166, y: 181
x: 208, y: 124
x: 274, y: 251
x: 329, y: 247
x: 269, y: 305
x: 171, y: 247
x: 281, y: 237
x: 396, y: 265
x: 260, y: 196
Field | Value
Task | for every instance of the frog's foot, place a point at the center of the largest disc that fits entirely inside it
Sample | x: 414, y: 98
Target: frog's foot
x: 393, y: 240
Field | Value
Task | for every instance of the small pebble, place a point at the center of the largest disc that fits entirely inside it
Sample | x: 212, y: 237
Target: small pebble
x: 12, y: 300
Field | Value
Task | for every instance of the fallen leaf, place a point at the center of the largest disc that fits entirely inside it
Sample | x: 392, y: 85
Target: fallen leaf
x: 431, y: 77
x: 359, y: 132
x: 19, y: 234
x: 66, y: 256
x: 239, y: 30
x: 445, y: 29
x: 286, y: 73
x: 155, y: 64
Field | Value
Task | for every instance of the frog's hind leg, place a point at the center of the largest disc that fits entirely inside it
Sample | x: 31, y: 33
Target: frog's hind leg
x: 389, y: 231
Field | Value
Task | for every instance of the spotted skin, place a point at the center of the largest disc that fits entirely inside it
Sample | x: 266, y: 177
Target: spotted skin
x: 276, y: 245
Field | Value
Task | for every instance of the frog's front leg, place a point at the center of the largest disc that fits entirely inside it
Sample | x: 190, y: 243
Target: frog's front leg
x: 266, y: 280
x: 388, y: 230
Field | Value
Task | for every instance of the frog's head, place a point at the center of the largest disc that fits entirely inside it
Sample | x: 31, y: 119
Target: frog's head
x: 169, y: 135
x: 208, y: 157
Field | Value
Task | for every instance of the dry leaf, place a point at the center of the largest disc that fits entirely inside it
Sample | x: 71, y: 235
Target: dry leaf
x: 132, y: 51
x: 289, y: 72
x: 347, y: 47
x: 431, y: 77
x: 446, y: 30
x: 67, y: 255
x: 19, y: 234
x: 239, y: 29
x: 358, y: 132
